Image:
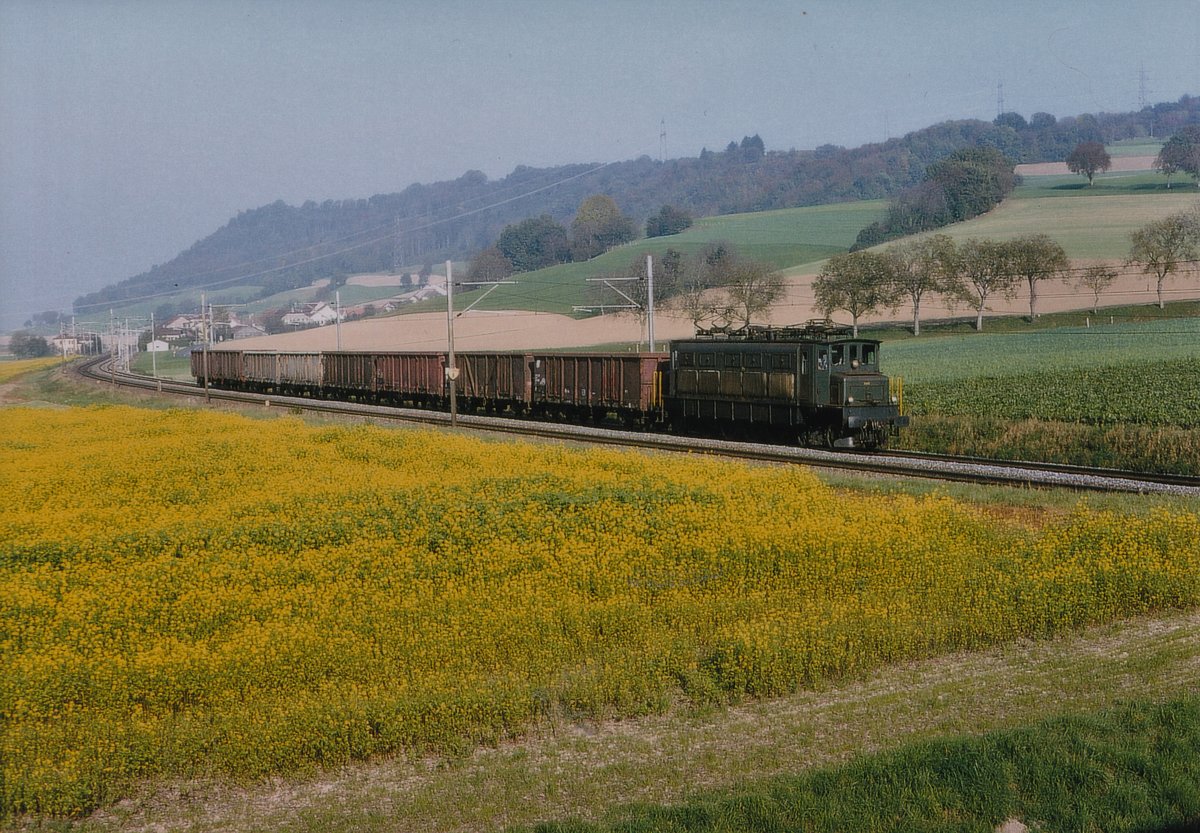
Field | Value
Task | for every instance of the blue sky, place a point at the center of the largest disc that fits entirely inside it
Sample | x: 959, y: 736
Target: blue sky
x: 129, y: 129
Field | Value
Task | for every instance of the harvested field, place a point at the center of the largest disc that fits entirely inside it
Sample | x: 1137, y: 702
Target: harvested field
x: 1120, y: 164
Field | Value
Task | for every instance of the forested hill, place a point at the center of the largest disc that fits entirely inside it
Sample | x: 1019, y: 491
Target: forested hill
x: 278, y: 247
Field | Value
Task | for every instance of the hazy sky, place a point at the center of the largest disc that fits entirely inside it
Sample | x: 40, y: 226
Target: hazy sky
x: 129, y: 130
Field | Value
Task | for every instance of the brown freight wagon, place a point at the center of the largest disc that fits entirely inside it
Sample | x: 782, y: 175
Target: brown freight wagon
x: 494, y: 381
x: 224, y: 367
x: 261, y: 370
x: 349, y: 375
x: 417, y: 378
x: 595, y: 384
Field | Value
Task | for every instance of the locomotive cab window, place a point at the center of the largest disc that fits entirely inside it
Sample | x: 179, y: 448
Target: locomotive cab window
x: 868, y: 354
x: 853, y: 353
x: 822, y: 359
x: 839, y: 354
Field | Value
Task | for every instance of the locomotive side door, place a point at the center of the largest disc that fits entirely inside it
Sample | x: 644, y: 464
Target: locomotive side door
x: 821, y: 372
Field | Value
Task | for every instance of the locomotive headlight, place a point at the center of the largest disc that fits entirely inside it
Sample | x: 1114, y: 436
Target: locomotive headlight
x: 849, y: 400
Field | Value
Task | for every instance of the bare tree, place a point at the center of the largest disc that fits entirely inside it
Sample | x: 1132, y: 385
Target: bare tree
x: 858, y: 283
x: 922, y: 266
x: 1162, y: 246
x: 1096, y: 279
x: 1036, y: 257
x: 490, y: 265
x: 752, y: 288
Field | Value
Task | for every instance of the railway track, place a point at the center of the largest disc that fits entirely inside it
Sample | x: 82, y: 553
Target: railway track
x: 897, y: 463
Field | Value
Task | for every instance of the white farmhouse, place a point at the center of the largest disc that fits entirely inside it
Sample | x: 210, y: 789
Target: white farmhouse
x: 308, y: 315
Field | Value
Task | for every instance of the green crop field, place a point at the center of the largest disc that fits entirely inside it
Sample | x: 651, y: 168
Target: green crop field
x: 1124, y: 396
x: 1135, y: 147
x: 1121, y: 183
x: 953, y: 358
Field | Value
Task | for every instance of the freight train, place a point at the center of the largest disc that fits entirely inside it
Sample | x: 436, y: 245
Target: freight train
x: 815, y: 384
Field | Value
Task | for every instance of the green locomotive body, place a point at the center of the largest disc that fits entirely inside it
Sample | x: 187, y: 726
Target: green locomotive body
x: 817, y: 384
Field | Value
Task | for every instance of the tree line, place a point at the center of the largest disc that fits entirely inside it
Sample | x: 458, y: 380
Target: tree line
x: 965, y: 184
x: 278, y: 247
x: 978, y: 270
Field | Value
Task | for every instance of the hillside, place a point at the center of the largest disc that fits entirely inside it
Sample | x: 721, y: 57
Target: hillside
x: 279, y: 247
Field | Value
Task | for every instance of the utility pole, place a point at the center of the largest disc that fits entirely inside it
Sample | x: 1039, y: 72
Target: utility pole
x: 337, y: 322
x: 154, y: 356
x: 648, y: 306
x: 451, y: 367
x: 650, y: 301
x: 112, y: 362
x: 204, y: 342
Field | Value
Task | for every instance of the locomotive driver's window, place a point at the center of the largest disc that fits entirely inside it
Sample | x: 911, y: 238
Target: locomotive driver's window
x: 839, y: 354
x: 868, y: 354
x: 822, y: 359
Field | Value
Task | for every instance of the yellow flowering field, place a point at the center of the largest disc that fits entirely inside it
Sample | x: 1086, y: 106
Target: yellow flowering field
x: 188, y: 593
x: 10, y: 370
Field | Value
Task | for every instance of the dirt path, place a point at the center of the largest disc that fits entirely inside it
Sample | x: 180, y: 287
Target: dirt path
x: 565, y: 769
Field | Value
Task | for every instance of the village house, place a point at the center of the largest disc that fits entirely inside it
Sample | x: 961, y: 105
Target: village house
x: 65, y: 345
x: 308, y: 315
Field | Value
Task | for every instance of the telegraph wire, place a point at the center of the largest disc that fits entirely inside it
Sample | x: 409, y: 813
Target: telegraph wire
x: 424, y: 226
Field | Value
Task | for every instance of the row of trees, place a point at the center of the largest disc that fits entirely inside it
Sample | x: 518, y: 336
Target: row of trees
x: 972, y: 272
x: 977, y: 271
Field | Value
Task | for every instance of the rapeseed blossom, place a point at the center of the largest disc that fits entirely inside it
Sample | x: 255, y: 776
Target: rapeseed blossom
x: 189, y: 593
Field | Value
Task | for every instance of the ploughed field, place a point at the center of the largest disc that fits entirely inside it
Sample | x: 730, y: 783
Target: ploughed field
x: 187, y: 593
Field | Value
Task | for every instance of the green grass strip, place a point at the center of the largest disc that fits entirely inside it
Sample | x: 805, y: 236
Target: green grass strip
x: 1134, y: 768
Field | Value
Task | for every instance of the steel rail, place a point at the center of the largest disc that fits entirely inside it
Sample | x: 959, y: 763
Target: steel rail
x: 894, y: 463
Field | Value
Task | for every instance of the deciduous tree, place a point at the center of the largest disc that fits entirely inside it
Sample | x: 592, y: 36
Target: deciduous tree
x: 1181, y: 153
x: 669, y: 220
x: 598, y: 226
x: 489, y: 265
x: 1089, y: 159
x: 28, y: 345
x: 923, y: 266
x: 984, y: 270
x: 752, y: 287
x: 534, y: 244
x: 1036, y: 257
x: 858, y: 283
x: 1162, y: 246
x: 1096, y: 279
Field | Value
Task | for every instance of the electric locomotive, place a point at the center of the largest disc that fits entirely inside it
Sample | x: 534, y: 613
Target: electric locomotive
x: 816, y: 384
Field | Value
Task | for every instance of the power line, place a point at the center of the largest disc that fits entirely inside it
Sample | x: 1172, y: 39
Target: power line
x: 422, y: 227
